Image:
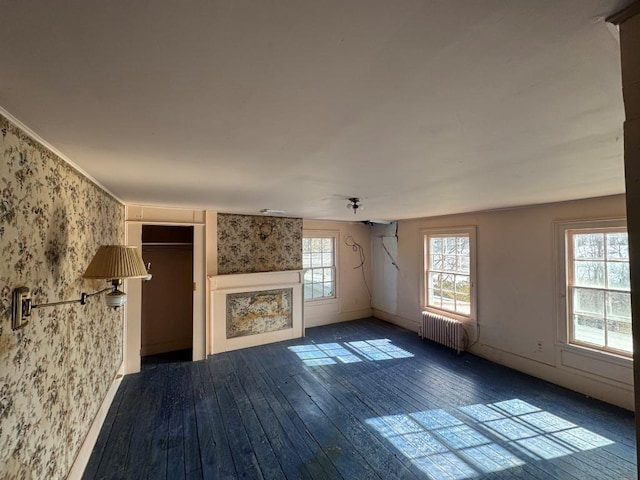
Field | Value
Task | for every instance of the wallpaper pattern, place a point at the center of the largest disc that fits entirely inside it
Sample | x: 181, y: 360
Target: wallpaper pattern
x: 54, y: 372
x: 250, y: 244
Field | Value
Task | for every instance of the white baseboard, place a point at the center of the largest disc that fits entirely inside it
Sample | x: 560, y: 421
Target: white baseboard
x: 615, y: 393
x: 335, y: 317
x: 411, y: 325
x: 82, y: 458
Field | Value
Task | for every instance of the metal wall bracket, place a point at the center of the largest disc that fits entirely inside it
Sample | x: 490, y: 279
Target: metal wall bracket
x: 20, y: 307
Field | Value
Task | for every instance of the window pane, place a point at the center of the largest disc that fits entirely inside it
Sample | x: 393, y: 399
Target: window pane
x: 316, y: 244
x: 328, y: 274
x: 327, y: 259
x: 618, y: 275
x: 588, y: 246
x: 450, y: 263
x: 619, y: 335
x: 617, y: 246
x: 619, y: 306
x: 463, y: 307
x: 588, y: 329
x: 306, y: 260
x: 450, y: 245
x: 316, y: 259
x: 308, y: 275
x: 448, y: 282
x: 586, y: 301
x: 308, y: 292
x: 589, y: 274
x: 317, y: 275
x: 464, y: 266
x: 436, y: 245
x: 463, y: 285
x: 463, y: 245
x: 306, y: 245
x: 328, y: 289
x: 437, y: 262
x: 435, y: 298
x: 435, y: 281
x: 327, y: 245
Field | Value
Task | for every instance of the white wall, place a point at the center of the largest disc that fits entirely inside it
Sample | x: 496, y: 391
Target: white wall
x: 517, y: 292
x: 352, y: 297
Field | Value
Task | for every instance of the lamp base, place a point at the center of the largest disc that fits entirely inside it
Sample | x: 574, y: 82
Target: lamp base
x: 115, y: 299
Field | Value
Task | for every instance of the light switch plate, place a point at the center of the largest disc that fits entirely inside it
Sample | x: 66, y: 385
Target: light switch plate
x: 18, y: 317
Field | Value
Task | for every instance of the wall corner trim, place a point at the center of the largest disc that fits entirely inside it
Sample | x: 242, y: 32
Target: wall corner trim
x: 84, y: 453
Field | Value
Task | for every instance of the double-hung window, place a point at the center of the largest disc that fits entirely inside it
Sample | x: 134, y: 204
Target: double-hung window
x: 449, y: 271
x: 319, y: 263
x: 598, y: 298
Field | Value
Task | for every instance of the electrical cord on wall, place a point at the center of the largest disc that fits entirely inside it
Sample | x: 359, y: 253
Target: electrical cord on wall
x: 477, y: 336
x: 349, y: 241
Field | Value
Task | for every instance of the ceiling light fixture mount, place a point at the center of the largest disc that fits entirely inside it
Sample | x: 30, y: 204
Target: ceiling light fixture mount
x: 354, y: 204
x: 272, y: 211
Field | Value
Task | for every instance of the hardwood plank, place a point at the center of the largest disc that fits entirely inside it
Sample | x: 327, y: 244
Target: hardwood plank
x: 191, y: 443
x: 92, y: 467
x: 345, y: 458
x: 216, y: 458
x: 296, y: 459
x: 244, y: 459
x: 260, y: 440
x: 316, y: 460
x: 265, y: 412
x: 176, y: 462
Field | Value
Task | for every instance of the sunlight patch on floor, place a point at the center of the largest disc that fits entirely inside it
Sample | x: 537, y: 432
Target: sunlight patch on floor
x: 479, y: 439
x: 350, y: 352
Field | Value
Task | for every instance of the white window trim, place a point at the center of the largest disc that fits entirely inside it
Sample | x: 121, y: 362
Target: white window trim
x: 472, y: 318
x: 335, y: 234
x: 560, y: 267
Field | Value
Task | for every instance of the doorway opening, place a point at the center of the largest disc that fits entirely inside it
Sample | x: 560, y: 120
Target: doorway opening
x: 167, y: 300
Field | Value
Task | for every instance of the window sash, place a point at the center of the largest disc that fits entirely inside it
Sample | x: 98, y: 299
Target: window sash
x: 319, y: 263
x: 596, y: 329
x: 451, y: 292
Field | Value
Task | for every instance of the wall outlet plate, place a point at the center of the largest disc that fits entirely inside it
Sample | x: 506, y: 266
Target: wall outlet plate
x: 20, y: 316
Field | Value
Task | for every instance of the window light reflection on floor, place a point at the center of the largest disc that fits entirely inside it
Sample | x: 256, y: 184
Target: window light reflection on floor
x: 350, y: 352
x: 480, y: 439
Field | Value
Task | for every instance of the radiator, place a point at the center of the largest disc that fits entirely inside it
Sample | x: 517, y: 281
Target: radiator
x: 444, y: 330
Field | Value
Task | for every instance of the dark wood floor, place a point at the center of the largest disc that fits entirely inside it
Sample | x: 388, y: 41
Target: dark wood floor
x: 356, y: 400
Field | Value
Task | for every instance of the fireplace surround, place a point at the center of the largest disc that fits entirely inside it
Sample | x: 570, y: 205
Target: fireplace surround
x: 252, y: 309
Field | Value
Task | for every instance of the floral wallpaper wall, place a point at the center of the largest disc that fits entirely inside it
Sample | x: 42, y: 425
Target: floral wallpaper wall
x: 54, y: 372
x: 251, y: 243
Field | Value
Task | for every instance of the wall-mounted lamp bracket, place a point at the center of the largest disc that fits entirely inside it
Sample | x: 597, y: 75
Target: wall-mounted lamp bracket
x: 22, y: 305
x: 111, y: 262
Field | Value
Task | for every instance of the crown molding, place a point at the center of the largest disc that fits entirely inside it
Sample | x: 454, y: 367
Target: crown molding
x: 624, y: 14
x: 57, y: 152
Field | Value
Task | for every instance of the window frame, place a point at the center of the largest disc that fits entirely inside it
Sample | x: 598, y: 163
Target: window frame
x: 334, y: 235
x: 425, y: 235
x: 564, y: 269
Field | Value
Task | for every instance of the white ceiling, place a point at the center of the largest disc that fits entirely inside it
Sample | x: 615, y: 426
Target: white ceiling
x: 418, y: 107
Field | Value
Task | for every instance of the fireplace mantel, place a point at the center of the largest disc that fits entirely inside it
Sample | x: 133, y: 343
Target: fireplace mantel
x: 255, y: 289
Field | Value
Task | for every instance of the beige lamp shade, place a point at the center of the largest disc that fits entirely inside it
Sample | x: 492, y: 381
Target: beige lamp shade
x: 116, y: 261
